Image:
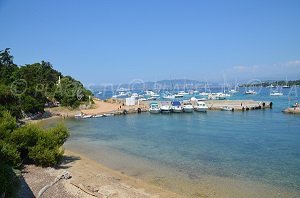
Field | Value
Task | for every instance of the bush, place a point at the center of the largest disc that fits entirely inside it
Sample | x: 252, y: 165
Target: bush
x: 8, y: 181
x: 9, y: 154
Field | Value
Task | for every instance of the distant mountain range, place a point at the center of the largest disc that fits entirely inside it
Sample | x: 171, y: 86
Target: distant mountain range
x: 184, y: 84
x: 176, y: 84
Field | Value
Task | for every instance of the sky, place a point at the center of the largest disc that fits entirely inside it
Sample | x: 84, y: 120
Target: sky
x: 112, y: 41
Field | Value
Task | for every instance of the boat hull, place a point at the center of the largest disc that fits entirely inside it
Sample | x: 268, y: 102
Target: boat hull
x: 154, y: 111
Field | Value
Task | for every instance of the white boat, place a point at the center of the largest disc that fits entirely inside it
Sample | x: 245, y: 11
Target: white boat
x: 270, y: 86
x: 202, y: 99
x: 250, y: 91
x: 151, y: 93
x: 276, y: 93
x: 152, y: 98
x: 182, y: 93
x: 121, y: 95
x: 188, y: 108
x: 134, y: 95
x: 87, y: 116
x: 165, y: 109
x: 154, y: 108
x: 233, y: 91
x: 176, y: 107
x: 79, y: 115
x: 201, y: 107
x: 168, y: 97
x: 226, y: 108
x: 178, y: 96
x: 98, y: 116
x: 108, y: 114
x: 286, y: 84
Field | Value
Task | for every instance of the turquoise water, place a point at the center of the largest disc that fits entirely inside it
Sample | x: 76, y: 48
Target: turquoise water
x: 259, y: 145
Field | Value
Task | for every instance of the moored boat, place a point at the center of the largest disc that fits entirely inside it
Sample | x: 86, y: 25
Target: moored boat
x: 176, y: 107
x: 154, y: 108
x: 188, y: 108
x: 201, y: 107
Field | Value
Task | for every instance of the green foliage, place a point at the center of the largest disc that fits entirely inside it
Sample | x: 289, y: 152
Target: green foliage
x: 8, y: 181
x: 9, y: 154
x: 39, y: 85
x: 30, y: 143
x: 7, y: 124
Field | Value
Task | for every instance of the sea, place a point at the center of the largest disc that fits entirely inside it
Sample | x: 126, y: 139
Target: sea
x: 215, y: 154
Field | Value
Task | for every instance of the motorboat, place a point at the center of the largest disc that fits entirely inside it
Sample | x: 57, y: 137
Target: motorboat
x: 151, y: 93
x: 108, y: 114
x: 165, y: 108
x: 250, y: 91
x: 276, y: 93
x: 182, y: 93
x: 167, y: 97
x: 188, y: 108
x: 97, y: 116
x: 87, y: 116
x: 176, y: 107
x: 233, y: 91
x: 201, y: 107
x: 154, y: 108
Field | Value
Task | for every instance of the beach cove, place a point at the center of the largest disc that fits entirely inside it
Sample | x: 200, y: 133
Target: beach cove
x: 240, y: 162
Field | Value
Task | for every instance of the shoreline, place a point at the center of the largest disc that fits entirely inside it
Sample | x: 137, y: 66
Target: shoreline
x: 88, y: 179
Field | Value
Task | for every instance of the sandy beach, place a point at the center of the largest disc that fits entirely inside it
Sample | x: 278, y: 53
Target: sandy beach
x: 88, y: 179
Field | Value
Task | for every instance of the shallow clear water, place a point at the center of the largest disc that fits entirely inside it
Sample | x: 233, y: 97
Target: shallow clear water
x: 260, y: 145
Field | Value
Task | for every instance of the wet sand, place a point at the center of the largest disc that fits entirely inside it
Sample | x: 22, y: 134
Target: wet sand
x: 185, y: 184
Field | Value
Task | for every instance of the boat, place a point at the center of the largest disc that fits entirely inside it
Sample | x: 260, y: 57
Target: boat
x: 286, y: 84
x: 250, y: 91
x: 79, y: 115
x: 165, y: 108
x: 201, y: 107
x: 276, y: 93
x: 134, y: 95
x: 233, y: 91
x: 270, y: 86
x: 87, y: 116
x: 178, y: 96
x: 176, y: 107
x: 188, y: 108
x: 167, y: 97
x: 97, y: 116
x: 151, y: 93
x: 121, y: 94
x: 152, y: 98
x: 154, y: 108
x: 182, y: 93
x: 108, y: 114
x: 226, y: 108
x: 205, y: 93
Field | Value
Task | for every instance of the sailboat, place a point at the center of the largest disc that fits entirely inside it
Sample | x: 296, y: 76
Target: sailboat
x: 276, y: 92
x: 205, y: 93
x: 286, y: 84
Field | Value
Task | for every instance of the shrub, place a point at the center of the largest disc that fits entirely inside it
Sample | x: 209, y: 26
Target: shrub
x: 9, y: 154
x: 8, y: 181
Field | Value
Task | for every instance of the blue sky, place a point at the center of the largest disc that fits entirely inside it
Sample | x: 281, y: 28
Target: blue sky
x: 118, y: 41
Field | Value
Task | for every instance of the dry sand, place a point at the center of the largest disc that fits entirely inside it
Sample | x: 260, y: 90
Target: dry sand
x: 89, y: 179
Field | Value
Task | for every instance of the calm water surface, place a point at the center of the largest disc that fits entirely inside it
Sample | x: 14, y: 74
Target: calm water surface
x: 261, y: 145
